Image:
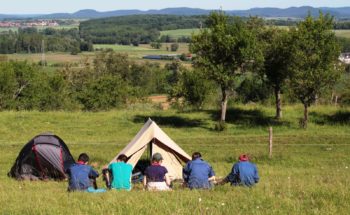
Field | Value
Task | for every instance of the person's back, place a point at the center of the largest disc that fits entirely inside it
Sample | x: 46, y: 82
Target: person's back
x: 247, y: 173
x: 121, y: 174
x: 80, y: 174
x: 156, y: 176
x: 198, y: 173
x: 243, y: 173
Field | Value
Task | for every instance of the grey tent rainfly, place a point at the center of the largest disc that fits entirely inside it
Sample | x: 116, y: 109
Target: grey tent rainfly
x: 156, y: 140
x: 46, y: 156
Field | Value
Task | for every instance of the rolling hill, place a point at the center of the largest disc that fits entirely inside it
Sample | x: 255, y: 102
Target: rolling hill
x: 291, y: 12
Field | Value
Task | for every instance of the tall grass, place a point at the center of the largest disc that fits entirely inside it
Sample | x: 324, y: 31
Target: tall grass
x: 308, y: 174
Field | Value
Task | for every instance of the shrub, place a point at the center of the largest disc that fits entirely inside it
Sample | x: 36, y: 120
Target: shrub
x: 174, y: 47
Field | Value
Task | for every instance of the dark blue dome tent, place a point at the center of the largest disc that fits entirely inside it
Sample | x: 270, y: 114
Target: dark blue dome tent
x: 46, y: 156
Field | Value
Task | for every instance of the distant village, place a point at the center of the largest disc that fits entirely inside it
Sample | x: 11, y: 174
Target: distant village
x: 31, y: 23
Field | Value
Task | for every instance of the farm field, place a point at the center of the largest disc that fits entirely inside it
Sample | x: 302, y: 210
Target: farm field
x: 2, y: 29
x: 343, y: 33
x: 51, y: 58
x: 180, y: 32
x: 308, y: 173
x: 8, y: 29
x: 135, y: 53
x: 143, y: 49
x: 188, y: 32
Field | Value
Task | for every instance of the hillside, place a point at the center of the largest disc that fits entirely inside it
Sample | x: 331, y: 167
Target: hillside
x: 291, y: 12
x: 134, y: 29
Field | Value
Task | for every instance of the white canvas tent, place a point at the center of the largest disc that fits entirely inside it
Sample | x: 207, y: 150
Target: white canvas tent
x: 152, y: 137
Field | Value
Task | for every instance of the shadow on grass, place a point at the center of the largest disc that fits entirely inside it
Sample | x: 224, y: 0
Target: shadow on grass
x: 173, y: 121
x: 339, y: 118
x: 248, y: 118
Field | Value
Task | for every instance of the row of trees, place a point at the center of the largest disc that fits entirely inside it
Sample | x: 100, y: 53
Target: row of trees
x: 136, y: 29
x: 303, y: 59
x: 30, y: 40
x: 108, y: 81
x: 141, y: 29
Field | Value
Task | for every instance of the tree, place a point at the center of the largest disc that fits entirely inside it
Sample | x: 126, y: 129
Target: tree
x: 277, y: 58
x: 195, y: 88
x: 224, y: 50
x: 174, y: 47
x: 314, y: 60
x: 156, y: 45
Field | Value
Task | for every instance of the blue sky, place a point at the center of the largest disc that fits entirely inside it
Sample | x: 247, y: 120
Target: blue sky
x: 51, y: 6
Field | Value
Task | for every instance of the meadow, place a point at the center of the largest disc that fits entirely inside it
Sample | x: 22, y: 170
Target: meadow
x: 343, y: 33
x: 180, y: 32
x: 15, y: 29
x: 308, y: 173
x: 56, y: 59
x: 188, y: 32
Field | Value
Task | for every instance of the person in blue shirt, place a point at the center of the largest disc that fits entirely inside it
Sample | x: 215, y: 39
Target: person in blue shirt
x: 198, y: 174
x: 82, y: 177
x: 244, y: 173
x: 121, y: 173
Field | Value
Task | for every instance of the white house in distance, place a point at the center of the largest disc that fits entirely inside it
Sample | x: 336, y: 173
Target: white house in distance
x: 345, y: 57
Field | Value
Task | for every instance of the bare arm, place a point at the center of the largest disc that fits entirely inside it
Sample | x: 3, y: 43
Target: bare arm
x: 144, y: 181
x: 211, y: 178
x: 167, y: 179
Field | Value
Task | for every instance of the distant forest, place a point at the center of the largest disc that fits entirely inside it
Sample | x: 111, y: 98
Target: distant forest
x: 30, y: 40
x: 124, y: 30
x: 143, y: 29
x: 137, y: 29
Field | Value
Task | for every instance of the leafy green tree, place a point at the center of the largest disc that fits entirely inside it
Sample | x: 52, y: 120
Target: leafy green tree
x: 314, y: 60
x: 277, y: 59
x: 174, y: 47
x: 195, y: 88
x: 104, y: 93
x: 253, y: 89
x: 8, y: 85
x: 223, y: 51
x: 156, y: 45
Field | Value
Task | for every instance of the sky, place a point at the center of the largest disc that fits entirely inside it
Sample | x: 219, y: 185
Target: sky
x: 70, y: 6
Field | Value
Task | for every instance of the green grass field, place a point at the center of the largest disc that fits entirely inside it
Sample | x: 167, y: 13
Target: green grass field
x: 41, y: 27
x: 9, y: 28
x: 308, y: 174
x: 343, y: 33
x: 188, y: 32
x: 180, y: 32
x: 137, y: 52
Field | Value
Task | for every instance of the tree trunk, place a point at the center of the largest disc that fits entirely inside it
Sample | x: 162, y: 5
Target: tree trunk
x: 306, y: 116
x: 336, y: 101
x: 278, y: 103
x: 316, y: 99
x: 223, y: 104
x: 332, y: 97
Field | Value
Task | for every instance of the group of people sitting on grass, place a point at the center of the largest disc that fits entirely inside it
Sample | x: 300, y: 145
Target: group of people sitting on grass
x: 197, y: 174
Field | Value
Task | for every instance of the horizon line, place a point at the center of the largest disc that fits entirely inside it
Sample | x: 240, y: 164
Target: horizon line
x: 282, y: 8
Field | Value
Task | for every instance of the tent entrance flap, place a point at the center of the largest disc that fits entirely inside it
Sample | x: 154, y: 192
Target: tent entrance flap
x: 150, y: 134
x: 49, y: 158
x: 134, y: 158
x: 170, y: 160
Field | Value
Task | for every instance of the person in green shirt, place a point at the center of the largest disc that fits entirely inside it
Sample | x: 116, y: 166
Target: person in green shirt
x: 121, y: 173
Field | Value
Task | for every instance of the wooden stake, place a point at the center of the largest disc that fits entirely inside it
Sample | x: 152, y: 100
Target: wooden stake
x: 270, y: 142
